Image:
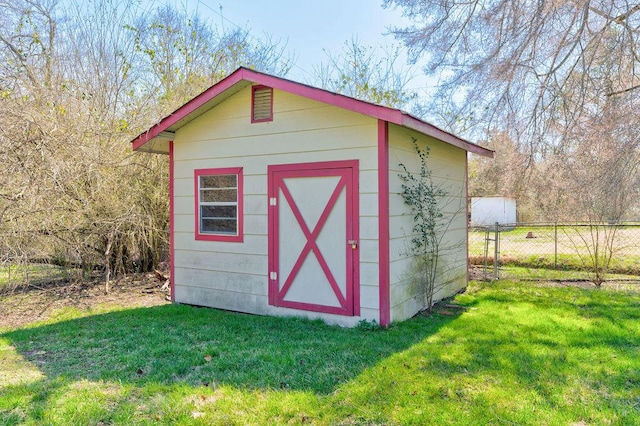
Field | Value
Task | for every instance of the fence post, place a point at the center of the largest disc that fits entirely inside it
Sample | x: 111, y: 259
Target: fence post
x: 496, y: 251
x: 486, y: 254
x: 555, y: 245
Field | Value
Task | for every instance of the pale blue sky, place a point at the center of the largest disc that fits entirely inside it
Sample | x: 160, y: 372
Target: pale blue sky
x: 307, y: 27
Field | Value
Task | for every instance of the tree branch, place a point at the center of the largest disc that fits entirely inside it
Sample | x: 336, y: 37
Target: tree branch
x: 620, y: 92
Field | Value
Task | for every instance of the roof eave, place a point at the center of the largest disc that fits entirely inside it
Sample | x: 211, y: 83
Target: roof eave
x: 195, y: 107
x: 435, y: 132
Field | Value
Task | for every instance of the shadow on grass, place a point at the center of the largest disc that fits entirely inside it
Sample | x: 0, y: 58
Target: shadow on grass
x: 519, y: 354
x: 199, y: 346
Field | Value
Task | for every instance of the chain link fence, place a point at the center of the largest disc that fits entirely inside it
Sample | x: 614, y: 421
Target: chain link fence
x: 528, y: 251
x: 556, y: 251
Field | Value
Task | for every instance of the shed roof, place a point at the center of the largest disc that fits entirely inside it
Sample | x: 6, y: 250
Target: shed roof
x: 157, y: 137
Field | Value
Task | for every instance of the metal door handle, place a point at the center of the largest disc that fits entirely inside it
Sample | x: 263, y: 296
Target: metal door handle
x: 354, y: 243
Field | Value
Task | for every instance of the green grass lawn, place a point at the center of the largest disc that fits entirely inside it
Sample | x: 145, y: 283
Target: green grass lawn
x: 520, y: 354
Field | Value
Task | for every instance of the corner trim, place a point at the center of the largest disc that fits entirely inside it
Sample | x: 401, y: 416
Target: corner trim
x: 383, y: 223
x: 466, y: 215
x: 172, y: 262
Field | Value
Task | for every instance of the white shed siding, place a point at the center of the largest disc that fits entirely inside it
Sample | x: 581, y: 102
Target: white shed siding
x: 447, y: 164
x: 235, y: 275
x: 486, y: 211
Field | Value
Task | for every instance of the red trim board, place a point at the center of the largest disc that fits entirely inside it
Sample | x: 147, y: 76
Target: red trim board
x: 172, y: 263
x: 182, y: 112
x: 383, y: 223
x: 466, y: 210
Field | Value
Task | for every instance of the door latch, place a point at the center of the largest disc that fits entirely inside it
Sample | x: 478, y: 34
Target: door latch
x: 354, y: 244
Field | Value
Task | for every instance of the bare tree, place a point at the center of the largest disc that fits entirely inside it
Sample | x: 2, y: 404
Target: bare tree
x: 358, y: 71
x: 181, y: 55
x: 508, y: 174
x: 600, y: 181
x: 76, y: 84
x: 519, y: 59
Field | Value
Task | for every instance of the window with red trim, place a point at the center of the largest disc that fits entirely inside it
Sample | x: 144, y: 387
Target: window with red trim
x: 261, y: 104
x: 218, y: 203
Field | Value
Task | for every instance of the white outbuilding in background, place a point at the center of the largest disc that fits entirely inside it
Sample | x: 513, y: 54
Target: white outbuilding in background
x: 486, y: 211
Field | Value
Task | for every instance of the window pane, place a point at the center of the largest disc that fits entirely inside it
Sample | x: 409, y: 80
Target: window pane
x: 218, y: 181
x: 216, y: 212
x: 218, y: 226
x: 218, y: 195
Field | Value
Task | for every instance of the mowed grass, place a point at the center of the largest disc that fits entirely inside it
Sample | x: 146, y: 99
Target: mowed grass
x: 519, y: 354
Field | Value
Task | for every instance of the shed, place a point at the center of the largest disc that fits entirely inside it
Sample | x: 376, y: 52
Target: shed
x: 486, y: 211
x: 285, y: 200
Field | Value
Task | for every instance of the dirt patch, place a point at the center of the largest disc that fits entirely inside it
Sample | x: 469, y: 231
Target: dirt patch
x: 37, y: 304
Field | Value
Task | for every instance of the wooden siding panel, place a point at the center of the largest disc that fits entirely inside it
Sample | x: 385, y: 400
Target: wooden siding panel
x: 257, y: 165
x: 369, y: 227
x: 258, y: 304
x: 369, y: 208
x: 442, y: 167
x: 401, y: 245
x: 451, y: 180
x: 184, y: 204
x: 403, y: 141
x: 255, y: 204
x: 369, y: 297
x: 452, y: 205
x: 404, y: 267
x: 253, y: 244
x: 252, y: 264
x: 406, y: 304
x: 369, y: 273
x: 369, y: 180
x: 222, y: 299
x: 368, y: 250
x: 339, y: 138
x: 448, y: 170
x: 237, y: 283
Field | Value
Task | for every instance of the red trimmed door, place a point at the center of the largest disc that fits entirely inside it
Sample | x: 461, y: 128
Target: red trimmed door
x: 313, y: 237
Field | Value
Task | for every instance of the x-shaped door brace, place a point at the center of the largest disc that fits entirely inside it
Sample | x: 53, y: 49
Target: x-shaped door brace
x: 311, y: 244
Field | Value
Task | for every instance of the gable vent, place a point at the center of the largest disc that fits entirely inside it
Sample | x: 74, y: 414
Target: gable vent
x: 261, y: 104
